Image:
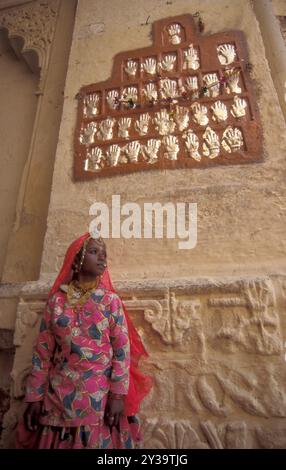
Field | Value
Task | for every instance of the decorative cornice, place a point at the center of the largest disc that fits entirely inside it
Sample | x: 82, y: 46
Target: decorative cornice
x: 33, y: 290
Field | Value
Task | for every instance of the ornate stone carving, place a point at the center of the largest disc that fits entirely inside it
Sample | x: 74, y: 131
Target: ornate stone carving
x: 256, y: 328
x: 208, y: 396
x: 175, y: 321
x: 271, y: 438
x: 171, y: 434
x: 191, y: 85
x: 216, y: 342
x: 35, y: 24
x: 27, y: 317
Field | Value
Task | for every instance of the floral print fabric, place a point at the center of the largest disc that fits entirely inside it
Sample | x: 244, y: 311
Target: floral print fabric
x: 81, y: 353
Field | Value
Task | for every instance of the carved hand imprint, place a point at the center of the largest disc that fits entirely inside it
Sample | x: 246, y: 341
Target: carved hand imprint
x: 123, y: 126
x: 192, y: 144
x: 150, y: 151
x: 172, y: 147
x: 87, y: 134
x: 113, y: 155
x: 211, y: 145
x: 132, y: 151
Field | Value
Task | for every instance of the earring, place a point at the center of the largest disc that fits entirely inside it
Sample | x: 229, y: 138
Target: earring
x: 83, y: 254
x: 75, y: 268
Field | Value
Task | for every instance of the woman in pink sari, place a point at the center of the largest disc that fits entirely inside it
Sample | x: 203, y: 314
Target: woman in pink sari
x: 85, y: 387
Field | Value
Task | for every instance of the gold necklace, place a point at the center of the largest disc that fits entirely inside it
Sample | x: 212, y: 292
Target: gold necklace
x: 79, y: 292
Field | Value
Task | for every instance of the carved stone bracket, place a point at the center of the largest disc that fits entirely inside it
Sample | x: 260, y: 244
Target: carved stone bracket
x: 243, y: 312
x: 257, y: 326
x: 169, y: 317
x: 27, y: 316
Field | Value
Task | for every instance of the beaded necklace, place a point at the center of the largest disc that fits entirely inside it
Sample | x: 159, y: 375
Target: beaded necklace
x: 79, y: 292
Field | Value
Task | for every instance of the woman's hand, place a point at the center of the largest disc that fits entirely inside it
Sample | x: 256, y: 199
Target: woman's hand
x: 113, y: 410
x: 32, y: 415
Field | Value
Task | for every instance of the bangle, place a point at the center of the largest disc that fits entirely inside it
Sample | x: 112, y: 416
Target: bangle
x: 116, y: 396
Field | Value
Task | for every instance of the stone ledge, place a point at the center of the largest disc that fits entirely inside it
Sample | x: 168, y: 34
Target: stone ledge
x: 36, y: 289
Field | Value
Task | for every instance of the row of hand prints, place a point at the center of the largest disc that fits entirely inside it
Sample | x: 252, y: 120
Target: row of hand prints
x: 226, y: 55
x: 166, y: 89
x: 164, y: 122
x: 232, y: 141
x: 226, y: 52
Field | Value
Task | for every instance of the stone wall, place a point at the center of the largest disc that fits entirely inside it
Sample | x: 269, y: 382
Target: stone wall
x: 240, y: 223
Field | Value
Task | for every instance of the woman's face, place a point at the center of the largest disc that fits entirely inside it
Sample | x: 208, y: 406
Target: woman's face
x: 95, y: 258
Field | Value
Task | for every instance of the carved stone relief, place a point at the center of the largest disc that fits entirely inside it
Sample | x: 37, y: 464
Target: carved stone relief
x: 34, y: 23
x: 218, y: 345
